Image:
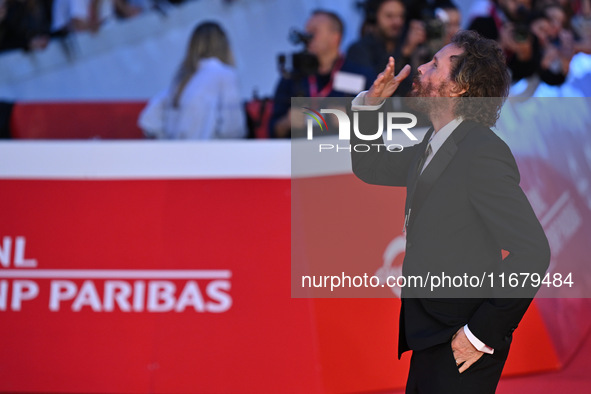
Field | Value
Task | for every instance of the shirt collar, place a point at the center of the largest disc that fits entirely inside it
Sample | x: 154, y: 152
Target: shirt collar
x: 437, y: 139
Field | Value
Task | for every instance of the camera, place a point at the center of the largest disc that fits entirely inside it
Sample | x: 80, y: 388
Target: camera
x: 303, y: 63
x: 434, y: 25
x: 297, y: 37
x: 521, y: 32
x: 521, y: 25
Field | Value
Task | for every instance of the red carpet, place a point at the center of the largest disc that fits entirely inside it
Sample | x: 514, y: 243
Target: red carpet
x: 574, y: 378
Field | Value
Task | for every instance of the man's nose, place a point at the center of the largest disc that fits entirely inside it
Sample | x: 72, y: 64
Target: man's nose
x: 420, y: 69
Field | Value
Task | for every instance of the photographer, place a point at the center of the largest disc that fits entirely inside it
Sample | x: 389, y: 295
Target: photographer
x: 385, y: 22
x: 521, y: 47
x: 581, y: 26
x: 557, y: 45
x: 24, y: 24
x: 441, y: 23
x: 509, y: 22
x: 320, y: 71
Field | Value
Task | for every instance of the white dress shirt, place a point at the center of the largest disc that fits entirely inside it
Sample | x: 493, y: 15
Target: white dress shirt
x: 436, y: 141
x: 210, y: 107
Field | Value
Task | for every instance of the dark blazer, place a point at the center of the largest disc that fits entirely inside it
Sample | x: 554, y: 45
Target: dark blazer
x: 370, y: 51
x: 299, y: 87
x: 466, y: 207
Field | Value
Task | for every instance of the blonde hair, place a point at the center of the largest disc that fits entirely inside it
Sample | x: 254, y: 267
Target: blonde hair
x: 208, y: 40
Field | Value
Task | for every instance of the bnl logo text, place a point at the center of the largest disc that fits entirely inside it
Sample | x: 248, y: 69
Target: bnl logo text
x: 344, y: 123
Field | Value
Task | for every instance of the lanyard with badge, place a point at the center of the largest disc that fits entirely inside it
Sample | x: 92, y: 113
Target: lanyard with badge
x: 313, y: 82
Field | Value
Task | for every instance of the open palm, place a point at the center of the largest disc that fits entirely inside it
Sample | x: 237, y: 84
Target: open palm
x: 386, y: 83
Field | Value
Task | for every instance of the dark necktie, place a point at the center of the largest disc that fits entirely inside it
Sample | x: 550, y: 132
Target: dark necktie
x: 423, y: 159
x: 410, y: 196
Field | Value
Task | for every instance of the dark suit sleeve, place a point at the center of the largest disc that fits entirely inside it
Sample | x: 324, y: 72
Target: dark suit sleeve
x: 495, y: 193
x: 360, y: 55
x: 378, y: 166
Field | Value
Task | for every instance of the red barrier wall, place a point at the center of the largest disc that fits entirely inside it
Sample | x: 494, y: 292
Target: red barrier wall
x: 247, y: 329
x: 241, y: 333
x: 76, y: 120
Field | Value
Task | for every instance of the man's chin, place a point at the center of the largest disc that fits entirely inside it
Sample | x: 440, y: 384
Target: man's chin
x: 392, y: 35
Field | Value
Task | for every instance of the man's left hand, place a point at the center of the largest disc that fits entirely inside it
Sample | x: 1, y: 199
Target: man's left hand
x: 464, y: 352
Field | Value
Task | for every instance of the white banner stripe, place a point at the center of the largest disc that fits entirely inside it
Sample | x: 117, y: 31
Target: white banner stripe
x: 97, y: 160
x: 115, y: 274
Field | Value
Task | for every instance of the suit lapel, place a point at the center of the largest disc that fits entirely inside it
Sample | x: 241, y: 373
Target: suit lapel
x: 412, y: 173
x: 424, y: 183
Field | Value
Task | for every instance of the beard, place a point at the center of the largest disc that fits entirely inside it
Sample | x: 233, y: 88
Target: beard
x: 389, y: 33
x: 420, y: 89
x: 426, y: 97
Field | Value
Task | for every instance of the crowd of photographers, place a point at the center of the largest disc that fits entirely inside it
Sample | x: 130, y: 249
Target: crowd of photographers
x: 539, y: 38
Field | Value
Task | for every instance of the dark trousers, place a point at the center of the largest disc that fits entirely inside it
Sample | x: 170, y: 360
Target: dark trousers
x: 434, y: 371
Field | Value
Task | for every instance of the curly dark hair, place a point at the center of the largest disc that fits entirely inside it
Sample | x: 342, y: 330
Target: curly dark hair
x: 482, y: 71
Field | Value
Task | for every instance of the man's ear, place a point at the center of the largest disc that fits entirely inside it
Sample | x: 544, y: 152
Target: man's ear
x: 456, y: 91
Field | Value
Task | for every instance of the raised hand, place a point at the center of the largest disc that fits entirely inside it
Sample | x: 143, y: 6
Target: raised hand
x: 386, y: 83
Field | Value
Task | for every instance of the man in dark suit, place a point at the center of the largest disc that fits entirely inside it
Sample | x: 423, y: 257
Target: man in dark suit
x: 464, y: 206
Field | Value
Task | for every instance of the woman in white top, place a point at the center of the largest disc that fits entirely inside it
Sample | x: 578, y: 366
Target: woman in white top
x: 203, y: 101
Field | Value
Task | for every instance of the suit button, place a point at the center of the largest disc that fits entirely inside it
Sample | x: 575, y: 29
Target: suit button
x: 408, y: 245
